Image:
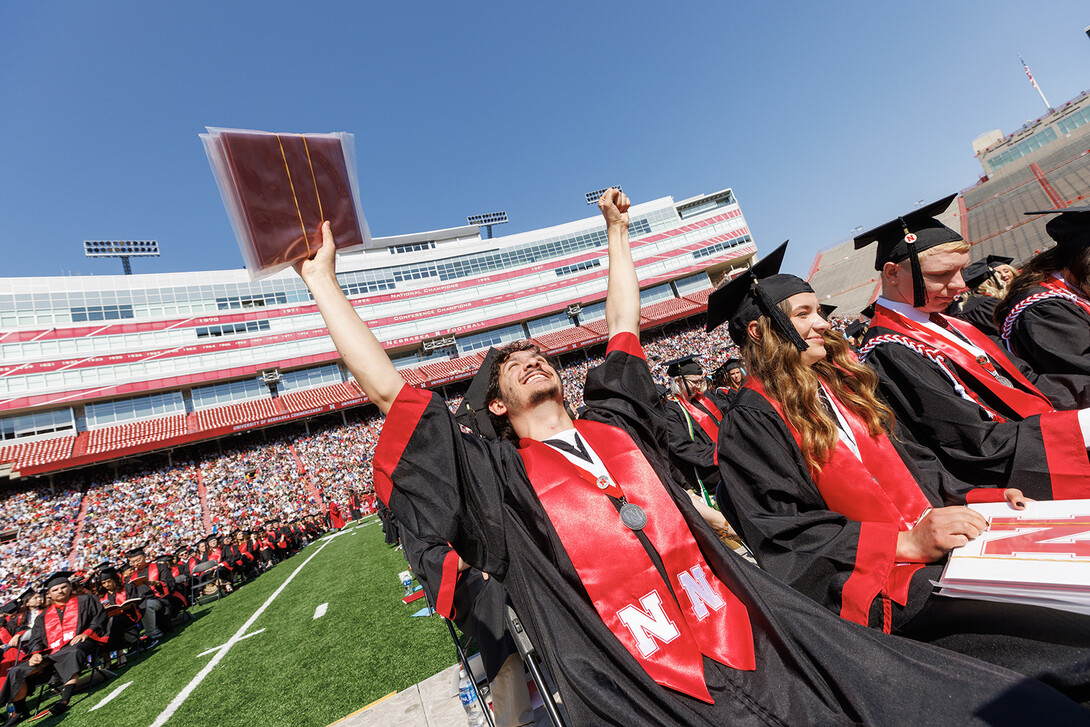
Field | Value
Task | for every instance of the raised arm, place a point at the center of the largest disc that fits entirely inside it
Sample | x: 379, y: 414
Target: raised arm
x: 623, y: 292
x: 361, y: 351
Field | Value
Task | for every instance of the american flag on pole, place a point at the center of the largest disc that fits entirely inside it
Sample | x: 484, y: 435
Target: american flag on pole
x: 1034, y: 82
x: 1031, y: 80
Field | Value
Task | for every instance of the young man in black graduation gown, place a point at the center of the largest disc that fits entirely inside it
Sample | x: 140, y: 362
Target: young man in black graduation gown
x: 641, y: 614
x: 1045, y: 318
x: 989, y: 419
x: 154, y: 583
x: 692, y: 426
x: 71, y: 629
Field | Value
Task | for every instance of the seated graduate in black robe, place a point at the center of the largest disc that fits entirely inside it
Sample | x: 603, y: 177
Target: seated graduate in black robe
x: 831, y: 505
x: 988, y: 418
x: 726, y: 380
x: 69, y: 631
x: 1045, y: 318
x: 641, y: 614
x: 692, y: 425
x: 122, y: 609
x: 987, y: 287
x: 155, y: 584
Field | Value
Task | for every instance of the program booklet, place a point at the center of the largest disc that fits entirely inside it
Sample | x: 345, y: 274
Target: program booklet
x: 1038, y: 556
x: 279, y: 188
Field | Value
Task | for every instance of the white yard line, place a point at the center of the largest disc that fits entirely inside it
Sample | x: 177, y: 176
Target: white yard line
x: 320, y: 611
x: 110, y: 696
x: 209, y: 651
x: 179, y: 700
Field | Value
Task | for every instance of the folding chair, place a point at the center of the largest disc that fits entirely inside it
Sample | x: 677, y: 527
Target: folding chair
x: 557, y: 714
x: 204, y: 577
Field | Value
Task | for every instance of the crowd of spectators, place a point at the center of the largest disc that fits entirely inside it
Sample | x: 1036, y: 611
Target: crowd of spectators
x: 42, y: 523
x: 255, y: 479
x: 148, y: 506
x: 253, y: 482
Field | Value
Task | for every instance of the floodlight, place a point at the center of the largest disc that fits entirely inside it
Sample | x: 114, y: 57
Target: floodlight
x: 592, y: 197
x: 491, y: 218
x: 487, y: 220
x: 123, y: 249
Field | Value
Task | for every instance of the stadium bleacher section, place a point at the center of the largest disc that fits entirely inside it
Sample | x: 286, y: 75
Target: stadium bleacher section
x: 1055, y: 174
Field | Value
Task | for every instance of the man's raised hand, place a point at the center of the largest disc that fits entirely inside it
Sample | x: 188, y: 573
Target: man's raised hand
x: 614, y: 205
x: 323, y: 261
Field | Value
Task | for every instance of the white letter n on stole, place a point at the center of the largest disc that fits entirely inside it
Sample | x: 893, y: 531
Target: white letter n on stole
x: 650, y: 621
x: 699, y: 591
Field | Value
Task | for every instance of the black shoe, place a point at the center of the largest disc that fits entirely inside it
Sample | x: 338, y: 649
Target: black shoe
x: 58, y: 708
x: 16, y: 718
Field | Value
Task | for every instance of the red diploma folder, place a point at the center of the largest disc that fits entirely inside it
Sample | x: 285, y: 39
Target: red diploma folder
x: 278, y: 189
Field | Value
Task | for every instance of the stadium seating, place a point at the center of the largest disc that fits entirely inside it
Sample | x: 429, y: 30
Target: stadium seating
x: 563, y: 340
x: 41, y: 451
x: 450, y: 370
x: 241, y: 413
x: 131, y: 434
x: 669, y: 310
x: 295, y: 401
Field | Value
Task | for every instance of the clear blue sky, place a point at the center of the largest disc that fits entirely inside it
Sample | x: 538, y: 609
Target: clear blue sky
x: 820, y: 116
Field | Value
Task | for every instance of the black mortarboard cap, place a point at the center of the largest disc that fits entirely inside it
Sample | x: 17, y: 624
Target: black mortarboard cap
x: 976, y: 273
x: 868, y: 311
x: 995, y: 261
x: 473, y: 411
x: 757, y: 292
x: 134, y: 552
x: 907, y: 236
x: 56, y: 579
x: 854, y: 328
x: 10, y: 607
x: 731, y: 363
x: 107, y: 574
x: 26, y: 594
x: 1070, y: 227
x: 827, y: 310
x: 684, y: 366
x: 103, y: 565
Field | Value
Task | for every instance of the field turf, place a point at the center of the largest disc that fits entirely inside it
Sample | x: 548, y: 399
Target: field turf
x: 298, y: 671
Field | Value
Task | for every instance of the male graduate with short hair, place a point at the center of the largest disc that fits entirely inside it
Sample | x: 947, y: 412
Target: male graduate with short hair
x: 991, y: 421
x: 692, y: 425
x: 641, y: 614
x: 154, y: 583
x: 71, y: 628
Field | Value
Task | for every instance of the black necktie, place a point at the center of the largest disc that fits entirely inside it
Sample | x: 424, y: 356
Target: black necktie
x: 577, y: 449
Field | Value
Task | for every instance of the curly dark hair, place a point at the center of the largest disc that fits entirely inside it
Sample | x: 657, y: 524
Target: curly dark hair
x: 500, y: 423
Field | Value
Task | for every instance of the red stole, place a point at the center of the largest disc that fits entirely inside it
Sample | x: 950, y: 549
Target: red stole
x: 57, y: 632
x: 619, y: 576
x: 708, y: 420
x: 1023, y: 398
x: 875, y: 487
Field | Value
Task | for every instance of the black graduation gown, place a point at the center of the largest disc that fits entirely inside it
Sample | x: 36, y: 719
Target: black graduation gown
x: 784, y: 520
x: 812, y: 667
x: 968, y: 443
x: 978, y: 310
x: 1053, y: 337
x: 692, y: 453
x: 474, y: 604
x: 67, y: 661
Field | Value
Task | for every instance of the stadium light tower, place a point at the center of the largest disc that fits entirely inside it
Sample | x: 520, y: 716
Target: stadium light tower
x: 592, y: 197
x: 123, y: 249
x: 487, y: 220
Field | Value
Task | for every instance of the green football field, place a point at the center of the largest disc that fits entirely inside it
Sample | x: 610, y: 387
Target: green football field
x: 295, y: 669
